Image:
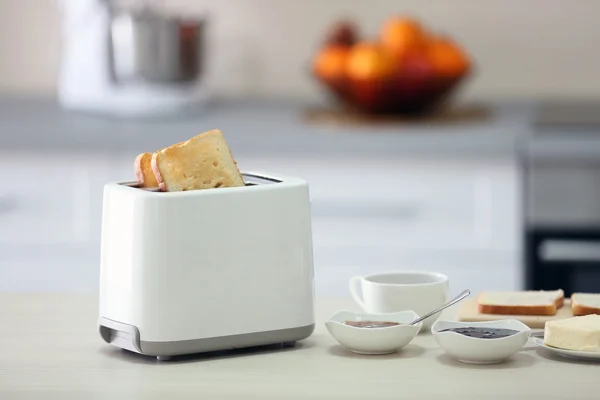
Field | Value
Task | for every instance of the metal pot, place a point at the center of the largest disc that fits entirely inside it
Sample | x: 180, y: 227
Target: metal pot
x: 149, y: 46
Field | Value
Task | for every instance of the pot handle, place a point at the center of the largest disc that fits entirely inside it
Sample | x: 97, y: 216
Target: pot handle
x: 355, y: 287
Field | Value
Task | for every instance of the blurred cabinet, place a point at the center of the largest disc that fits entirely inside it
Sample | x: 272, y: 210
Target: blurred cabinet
x: 442, y: 204
x: 369, y: 214
x: 452, y: 215
x: 49, y: 232
x: 48, y: 198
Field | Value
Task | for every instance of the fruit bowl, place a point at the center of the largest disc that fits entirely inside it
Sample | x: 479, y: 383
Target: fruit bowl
x: 404, y: 95
x: 406, y: 71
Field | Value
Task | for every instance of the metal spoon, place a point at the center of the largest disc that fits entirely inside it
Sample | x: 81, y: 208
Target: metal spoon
x: 455, y: 300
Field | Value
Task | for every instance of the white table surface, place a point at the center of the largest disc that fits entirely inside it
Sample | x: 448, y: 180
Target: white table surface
x: 51, y: 349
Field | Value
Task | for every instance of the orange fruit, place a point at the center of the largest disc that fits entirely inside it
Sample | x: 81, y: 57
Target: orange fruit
x: 401, y: 35
x: 330, y: 62
x: 447, y: 58
x: 369, y: 61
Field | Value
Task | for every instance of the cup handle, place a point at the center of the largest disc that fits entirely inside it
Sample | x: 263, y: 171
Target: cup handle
x: 355, y: 284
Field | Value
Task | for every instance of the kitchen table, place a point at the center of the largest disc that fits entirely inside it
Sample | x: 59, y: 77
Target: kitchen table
x: 51, y: 349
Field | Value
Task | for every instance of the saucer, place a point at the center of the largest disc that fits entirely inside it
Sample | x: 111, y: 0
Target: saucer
x: 383, y: 340
x: 582, y: 355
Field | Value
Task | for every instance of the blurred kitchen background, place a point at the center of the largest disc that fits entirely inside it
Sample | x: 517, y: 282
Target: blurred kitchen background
x: 461, y: 137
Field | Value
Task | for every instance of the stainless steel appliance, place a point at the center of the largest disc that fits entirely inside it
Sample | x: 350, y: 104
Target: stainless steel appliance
x: 157, y: 48
x: 562, y: 199
x: 131, y: 59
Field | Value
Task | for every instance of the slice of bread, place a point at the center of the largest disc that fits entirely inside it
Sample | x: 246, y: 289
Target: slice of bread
x: 576, y: 333
x: 585, y: 303
x: 143, y: 171
x: 531, y: 302
x: 203, y: 162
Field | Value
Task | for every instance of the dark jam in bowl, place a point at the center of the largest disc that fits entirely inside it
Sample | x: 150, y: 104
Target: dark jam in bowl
x: 371, y: 324
x: 483, y: 333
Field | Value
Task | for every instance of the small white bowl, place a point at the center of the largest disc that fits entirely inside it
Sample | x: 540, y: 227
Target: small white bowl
x: 373, y: 340
x: 481, y: 351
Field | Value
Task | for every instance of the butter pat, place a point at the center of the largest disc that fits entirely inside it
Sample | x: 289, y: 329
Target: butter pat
x: 577, y: 333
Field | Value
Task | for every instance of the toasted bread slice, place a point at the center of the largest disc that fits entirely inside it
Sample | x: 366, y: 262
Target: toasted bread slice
x: 143, y: 171
x: 531, y: 302
x: 203, y: 162
x: 585, y: 303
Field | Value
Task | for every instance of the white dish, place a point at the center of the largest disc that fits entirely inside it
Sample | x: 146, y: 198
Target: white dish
x: 373, y: 340
x: 481, y: 351
x: 568, y: 353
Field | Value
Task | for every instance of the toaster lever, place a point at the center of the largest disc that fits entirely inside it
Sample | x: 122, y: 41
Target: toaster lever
x: 120, y: 334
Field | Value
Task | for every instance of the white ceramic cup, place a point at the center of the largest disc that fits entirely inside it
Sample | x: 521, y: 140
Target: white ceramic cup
x: 418, y: 291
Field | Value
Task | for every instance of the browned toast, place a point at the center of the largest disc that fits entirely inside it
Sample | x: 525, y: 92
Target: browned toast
x: 143, y: 171
x: 205, y: 161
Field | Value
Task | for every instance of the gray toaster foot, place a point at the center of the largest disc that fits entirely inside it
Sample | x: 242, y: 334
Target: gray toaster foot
x: 128, y: 337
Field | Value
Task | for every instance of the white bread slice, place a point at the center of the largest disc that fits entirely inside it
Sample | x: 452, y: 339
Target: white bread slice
x: 143, y: 171
x: 585, y: 303
x: 576, y: 333
x: 203, y: 162
x: 530, y: 302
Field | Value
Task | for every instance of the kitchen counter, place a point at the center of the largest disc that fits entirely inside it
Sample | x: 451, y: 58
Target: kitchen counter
x: 278, y: 127
x: 257, y: 128
x: 51, y: 349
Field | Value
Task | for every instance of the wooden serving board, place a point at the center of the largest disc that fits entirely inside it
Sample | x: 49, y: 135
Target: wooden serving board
x: 468, y: 313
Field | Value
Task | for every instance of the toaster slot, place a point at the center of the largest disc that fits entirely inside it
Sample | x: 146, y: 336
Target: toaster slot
x: 254, y: 179
x: 135, y: 184
x: 249, y: 180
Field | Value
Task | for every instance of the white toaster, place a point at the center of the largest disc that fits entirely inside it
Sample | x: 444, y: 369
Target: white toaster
x: 205, y: 270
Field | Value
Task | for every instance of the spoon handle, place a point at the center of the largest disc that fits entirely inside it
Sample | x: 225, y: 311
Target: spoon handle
x: 455, y: 300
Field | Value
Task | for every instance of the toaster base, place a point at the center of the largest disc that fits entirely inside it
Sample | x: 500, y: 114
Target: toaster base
x: 127, y: 337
